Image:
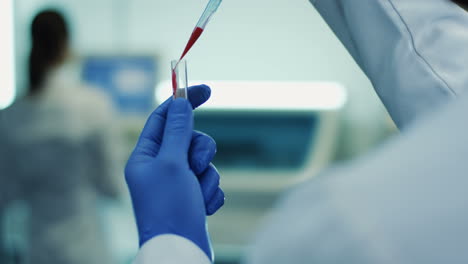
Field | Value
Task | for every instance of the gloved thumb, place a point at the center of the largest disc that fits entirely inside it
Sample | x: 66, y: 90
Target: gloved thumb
x: 178, y: 131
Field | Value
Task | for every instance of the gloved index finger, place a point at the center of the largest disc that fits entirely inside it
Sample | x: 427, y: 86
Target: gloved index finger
x: 152, y: 133
x: 201, y: 153
x: 178, y: 130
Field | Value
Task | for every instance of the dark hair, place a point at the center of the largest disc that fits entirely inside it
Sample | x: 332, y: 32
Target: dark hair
x: 462, y: 3
x: 49, y: 37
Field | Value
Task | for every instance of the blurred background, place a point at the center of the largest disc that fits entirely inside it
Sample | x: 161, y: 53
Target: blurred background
x: 287, y: 102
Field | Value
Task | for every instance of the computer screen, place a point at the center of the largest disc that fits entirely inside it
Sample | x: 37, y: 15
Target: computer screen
x: 130, y: 80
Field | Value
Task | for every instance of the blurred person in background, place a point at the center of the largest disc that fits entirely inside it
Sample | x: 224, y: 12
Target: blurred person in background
x: 59, y: 152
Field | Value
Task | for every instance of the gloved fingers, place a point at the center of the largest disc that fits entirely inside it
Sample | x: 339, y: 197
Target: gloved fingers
x: 198, y: 95
x: 212, y: 193
x: 178, y: 131
x: 151, y: 136
x: 216, y: 202
x: 209, y: 183
x: 201, y: 153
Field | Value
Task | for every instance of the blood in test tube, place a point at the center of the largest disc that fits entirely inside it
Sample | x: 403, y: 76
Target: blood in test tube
x: 174, y: 82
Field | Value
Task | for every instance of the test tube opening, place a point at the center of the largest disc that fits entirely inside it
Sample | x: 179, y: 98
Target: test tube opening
x: 179, y: 78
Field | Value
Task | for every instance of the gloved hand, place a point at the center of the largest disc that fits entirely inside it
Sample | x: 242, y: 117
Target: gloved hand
x: 172, y: 183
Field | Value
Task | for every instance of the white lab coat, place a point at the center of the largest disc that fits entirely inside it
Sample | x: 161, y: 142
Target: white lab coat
x: 59, y: 154
x: 406, y: 202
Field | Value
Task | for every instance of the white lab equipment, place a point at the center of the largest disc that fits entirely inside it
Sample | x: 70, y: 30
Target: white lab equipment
x: 254, y: 132
x: 281, y: 134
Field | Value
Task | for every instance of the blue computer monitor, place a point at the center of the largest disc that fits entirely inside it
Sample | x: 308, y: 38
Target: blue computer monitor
x: 130, y: 80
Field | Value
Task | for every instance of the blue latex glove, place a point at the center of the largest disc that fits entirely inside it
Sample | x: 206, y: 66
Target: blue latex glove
x: 172, y: 183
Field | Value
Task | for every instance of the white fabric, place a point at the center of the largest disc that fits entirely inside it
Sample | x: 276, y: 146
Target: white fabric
x: 170, y: 249
x: 413, y: 51
x: 59, y: 154
x: 406, y: 202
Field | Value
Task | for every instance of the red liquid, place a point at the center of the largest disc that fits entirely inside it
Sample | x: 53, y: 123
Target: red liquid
x: 174, y: 82
x: 193, y: 38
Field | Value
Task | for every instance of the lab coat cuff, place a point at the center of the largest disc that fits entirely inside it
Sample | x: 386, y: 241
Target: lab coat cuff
x: 170, y: 249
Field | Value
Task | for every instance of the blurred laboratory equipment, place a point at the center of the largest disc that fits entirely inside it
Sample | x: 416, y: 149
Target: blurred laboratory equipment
x: 281, y: 134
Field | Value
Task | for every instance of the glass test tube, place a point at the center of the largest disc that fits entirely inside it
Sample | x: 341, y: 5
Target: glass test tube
x: 179, y: 78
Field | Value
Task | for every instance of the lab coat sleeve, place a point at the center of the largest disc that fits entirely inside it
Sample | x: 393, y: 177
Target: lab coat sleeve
x: 404, y: 203
x: 170, y: 249
x: 413, y: 51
